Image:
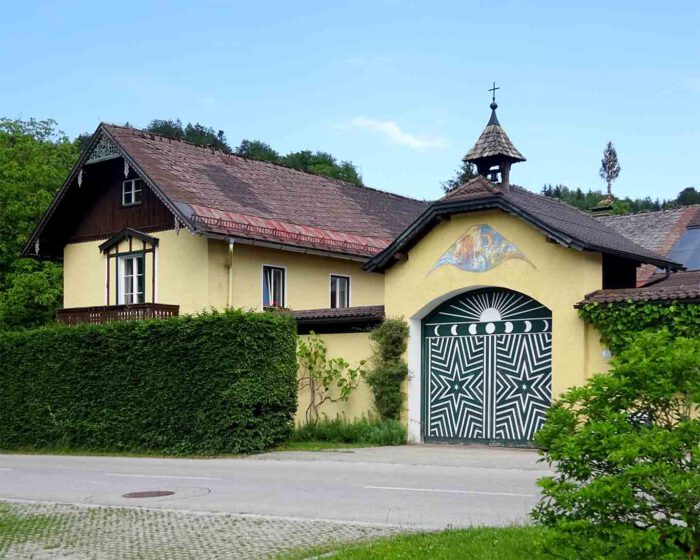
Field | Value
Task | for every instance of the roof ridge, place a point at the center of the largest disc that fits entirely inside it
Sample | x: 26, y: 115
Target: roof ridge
x: 280, y: 165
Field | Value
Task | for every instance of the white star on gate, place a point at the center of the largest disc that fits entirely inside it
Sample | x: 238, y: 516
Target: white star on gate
x: 525, y: 388
x: 460, y: 388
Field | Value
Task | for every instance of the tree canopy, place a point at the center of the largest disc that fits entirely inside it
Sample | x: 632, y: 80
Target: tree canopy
x: 194, y: 133
x: 586, y: 200
x: 465, y: 172
x: 35, y: 158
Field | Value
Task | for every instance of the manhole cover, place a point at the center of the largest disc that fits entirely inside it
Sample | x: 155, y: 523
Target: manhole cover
x: 148, y: 494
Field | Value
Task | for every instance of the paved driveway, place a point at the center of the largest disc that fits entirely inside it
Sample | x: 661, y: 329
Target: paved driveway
x: 419, y: 487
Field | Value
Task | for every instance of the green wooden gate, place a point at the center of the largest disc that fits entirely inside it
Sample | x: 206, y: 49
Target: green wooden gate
x: 487, y: 368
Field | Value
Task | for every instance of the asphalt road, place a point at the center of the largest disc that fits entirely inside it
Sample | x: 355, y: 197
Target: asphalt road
x: 429, y: 487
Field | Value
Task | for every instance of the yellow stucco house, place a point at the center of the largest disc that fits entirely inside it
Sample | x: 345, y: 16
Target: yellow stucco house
x: 487, y: 277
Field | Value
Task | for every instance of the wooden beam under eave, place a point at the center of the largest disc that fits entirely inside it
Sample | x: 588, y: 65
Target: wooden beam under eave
x: 401, y: 256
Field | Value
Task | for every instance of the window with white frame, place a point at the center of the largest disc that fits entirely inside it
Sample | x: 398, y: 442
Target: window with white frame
x: 340, y: 291
x: 132, y: 191
x: 274, y: 286
x: 131, y: 280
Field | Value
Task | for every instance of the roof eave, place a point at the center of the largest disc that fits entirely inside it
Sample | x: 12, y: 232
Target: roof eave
x: 416, y: 230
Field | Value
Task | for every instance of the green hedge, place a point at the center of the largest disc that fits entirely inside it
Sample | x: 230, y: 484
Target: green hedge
x: 207, y: 384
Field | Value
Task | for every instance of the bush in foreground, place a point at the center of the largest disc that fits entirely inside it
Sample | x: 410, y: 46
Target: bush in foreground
x: 371, y: 431
x: 627, y: 451
x: 207, y: 384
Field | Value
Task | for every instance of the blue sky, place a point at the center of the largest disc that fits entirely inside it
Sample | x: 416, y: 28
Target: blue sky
x: 397, y: 87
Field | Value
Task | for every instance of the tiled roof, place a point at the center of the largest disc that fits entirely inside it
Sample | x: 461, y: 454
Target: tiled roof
x: 568, y: 223
x: 658, y: 231
x: 493, y: 142
x: 232, y: 195
x: 679, y: 286
x: 370, y: 312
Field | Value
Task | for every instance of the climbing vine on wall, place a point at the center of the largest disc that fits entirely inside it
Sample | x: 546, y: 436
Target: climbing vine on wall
x: 389, y: 369
x: 618, y: 323
x: 326, y: 380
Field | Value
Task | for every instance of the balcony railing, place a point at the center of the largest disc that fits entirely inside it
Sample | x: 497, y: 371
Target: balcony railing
x: 110, y: 313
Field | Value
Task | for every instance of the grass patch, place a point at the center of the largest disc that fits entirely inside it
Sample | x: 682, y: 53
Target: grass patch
x: 325, y: 435
x: 15, y: 529
x: 360, y: 431
x: 482, y: 543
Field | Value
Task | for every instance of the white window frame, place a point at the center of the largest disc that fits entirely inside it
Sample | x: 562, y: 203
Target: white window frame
x: 331, y: 277
x: 131, y: 188
x: 134, y: 279
x: 284, y: 284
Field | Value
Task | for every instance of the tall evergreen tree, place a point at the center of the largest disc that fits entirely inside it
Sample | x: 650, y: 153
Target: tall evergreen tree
x: 609, y: 167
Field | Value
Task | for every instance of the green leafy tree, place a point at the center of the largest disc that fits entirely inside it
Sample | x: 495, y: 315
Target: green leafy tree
x: 322, y: 163
x: 609, y: 167
x: 688, y: 196
x: 197, y: 134
x: 206, y: 136
x: 626, y: 447
x: 167, y: 128
x: 35, y: 158
x: 257, y: 149
x: 466, y: 172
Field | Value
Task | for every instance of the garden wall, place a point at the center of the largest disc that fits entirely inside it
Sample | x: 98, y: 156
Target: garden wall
x: 208, y: 384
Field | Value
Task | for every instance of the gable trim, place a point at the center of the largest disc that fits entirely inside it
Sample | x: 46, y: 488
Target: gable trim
x: 32, y: 248
x: 123, y: 234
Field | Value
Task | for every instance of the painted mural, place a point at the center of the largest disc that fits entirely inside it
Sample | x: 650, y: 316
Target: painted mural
x: 480, y: 249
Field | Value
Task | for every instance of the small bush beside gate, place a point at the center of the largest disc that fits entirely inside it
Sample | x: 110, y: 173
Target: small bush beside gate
x: 207, y: 384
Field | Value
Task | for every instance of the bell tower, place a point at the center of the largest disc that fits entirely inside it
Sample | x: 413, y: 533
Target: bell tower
x: 494, y: 153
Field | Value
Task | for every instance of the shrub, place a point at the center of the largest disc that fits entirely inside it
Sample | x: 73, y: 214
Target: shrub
x: 390, y: 370
x: 361, y: 430
x: 214, y: 383
x: 627, y: 451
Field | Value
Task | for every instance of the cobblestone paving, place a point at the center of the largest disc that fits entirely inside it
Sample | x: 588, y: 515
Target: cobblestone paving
x: 77, y: 533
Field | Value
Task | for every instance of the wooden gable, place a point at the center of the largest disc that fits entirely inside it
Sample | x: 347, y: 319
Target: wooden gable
x: 93, y: 209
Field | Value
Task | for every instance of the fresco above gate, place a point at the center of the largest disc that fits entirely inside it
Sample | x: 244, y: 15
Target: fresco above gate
x: 481, y: 248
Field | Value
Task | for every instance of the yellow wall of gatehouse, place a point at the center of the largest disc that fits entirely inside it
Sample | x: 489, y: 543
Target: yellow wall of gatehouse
x: 555, y: 276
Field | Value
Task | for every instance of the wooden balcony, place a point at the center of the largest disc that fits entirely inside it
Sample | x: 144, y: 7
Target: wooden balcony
x: 110, y: 313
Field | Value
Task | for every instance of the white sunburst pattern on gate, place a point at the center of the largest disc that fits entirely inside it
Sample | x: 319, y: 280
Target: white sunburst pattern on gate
x: 488, y: 359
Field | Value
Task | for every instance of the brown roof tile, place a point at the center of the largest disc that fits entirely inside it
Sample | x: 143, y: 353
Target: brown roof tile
x: 361, y: 313
x: 233, y: 195
x: 679, y: 286
x: 493, y: 142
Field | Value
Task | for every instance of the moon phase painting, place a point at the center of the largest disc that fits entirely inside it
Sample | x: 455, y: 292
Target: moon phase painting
x: 481, y: 248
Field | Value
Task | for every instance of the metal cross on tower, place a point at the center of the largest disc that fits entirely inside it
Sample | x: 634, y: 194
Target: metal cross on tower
x: 493, y: 91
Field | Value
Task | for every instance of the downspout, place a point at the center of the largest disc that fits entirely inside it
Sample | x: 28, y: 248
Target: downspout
x: 229, y: 264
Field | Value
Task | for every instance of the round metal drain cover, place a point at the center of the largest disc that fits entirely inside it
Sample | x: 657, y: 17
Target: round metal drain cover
x: 148, y: 494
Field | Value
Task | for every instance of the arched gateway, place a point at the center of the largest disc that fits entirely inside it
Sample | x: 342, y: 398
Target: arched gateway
x: 487, y: 368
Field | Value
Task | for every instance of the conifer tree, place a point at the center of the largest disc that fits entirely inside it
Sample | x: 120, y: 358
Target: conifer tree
x: 609, y: 167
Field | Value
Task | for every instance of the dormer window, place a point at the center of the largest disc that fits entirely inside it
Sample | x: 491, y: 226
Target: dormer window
x: 132, y: 191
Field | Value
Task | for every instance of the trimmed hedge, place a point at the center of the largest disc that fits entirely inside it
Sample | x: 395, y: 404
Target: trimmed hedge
x: 207, y: 384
